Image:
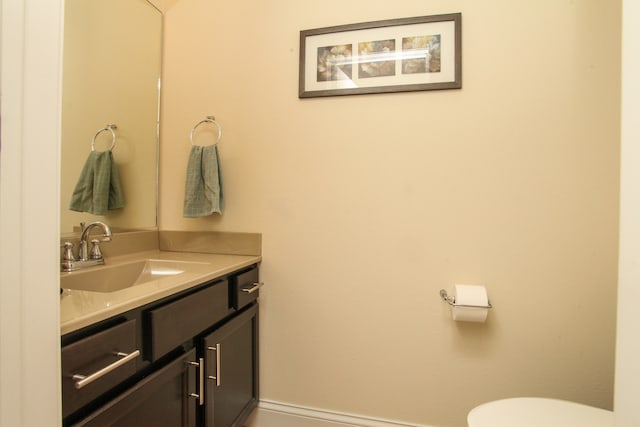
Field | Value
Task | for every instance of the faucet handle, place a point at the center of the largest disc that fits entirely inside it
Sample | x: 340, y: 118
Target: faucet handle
x: 68, y: 252
x: 95, y: 253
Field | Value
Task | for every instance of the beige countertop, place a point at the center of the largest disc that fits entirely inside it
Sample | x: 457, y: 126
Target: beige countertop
x: 79, y: 308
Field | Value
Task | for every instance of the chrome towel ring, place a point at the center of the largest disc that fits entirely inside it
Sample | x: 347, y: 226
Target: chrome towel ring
x: 208, y: 119
x: 111, y: 128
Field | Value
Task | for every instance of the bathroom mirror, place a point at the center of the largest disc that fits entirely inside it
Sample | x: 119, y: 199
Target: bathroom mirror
x: 111, y: 75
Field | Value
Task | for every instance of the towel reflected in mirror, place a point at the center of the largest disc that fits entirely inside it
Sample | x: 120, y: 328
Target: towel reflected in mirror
x: 99, y: 188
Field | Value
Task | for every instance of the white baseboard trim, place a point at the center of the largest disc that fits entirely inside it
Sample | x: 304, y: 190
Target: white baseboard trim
x: 278, y: 414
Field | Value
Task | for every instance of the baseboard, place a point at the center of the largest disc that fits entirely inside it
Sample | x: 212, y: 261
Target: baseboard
x: 277, y: 414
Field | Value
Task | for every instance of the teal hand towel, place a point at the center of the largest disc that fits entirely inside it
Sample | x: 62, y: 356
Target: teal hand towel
x: 203, y: 189
x: 99, y: 188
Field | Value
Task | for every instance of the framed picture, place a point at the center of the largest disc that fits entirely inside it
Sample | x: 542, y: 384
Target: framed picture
x: 395, y: 55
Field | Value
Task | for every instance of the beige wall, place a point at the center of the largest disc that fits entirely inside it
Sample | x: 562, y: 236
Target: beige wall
x: 369, y: 205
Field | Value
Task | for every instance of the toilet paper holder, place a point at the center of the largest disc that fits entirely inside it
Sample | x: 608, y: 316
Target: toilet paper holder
x: 452, y: 301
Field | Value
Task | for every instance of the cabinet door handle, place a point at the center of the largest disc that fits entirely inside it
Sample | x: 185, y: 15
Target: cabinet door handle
x: 253, y: 288
x: 217, y: 349
x: 200, y: 394
x: 83, y: 380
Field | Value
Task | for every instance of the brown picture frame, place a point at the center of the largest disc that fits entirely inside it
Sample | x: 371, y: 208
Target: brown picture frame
x: 395, y: 55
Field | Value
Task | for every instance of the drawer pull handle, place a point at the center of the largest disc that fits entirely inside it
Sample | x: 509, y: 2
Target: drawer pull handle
x: 83, y: 380
x: 200, y: 394
x: 217, y: 377
x: 253, y: 288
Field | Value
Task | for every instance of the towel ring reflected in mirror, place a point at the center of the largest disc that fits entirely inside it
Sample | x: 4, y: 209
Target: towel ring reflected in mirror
x: 111, y: 128
x: 208, y: 119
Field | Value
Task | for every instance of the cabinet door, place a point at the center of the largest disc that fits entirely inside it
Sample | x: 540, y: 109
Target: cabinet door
x: 231, y: 367
x: 161, y: 399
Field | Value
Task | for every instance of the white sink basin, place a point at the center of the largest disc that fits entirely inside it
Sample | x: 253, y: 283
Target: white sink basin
x: 121, y: 276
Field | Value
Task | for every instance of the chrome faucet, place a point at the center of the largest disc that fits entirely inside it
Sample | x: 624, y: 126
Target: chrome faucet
x: 86, y: 258
x: 83, y: 251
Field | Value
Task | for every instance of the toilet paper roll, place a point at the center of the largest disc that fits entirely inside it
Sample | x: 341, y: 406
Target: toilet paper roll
x: 471, y: 302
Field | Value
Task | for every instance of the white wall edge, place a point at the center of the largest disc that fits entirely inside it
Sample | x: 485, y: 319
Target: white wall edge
x: 30, y: 57
x: 278, y: 414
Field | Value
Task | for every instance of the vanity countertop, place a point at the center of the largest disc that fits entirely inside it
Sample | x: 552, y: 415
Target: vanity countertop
x: 82, y: 308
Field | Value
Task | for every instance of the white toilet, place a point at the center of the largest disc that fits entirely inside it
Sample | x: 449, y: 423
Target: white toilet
x: 538, y: 412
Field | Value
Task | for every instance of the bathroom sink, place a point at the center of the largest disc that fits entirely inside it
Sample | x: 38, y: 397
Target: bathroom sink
x: 117, y: 277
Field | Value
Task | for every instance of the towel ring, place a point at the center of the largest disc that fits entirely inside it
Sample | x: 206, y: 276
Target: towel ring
x: 109, y: 128
x: 209, y: 119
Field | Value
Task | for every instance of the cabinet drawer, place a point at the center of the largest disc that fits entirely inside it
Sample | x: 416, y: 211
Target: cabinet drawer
x: 245, y: 288
x: 179, y: 321
x: 92, y: 355
x: 159, y: 400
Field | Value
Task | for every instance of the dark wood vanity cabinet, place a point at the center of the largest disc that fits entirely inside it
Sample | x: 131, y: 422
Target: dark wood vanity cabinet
x: 192, y: 361
x: 161, y: 399
x: 92, y: 354
x: 231, y: 368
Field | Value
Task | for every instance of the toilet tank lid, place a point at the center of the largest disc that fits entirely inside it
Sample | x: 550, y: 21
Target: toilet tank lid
x: 536, y: 412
